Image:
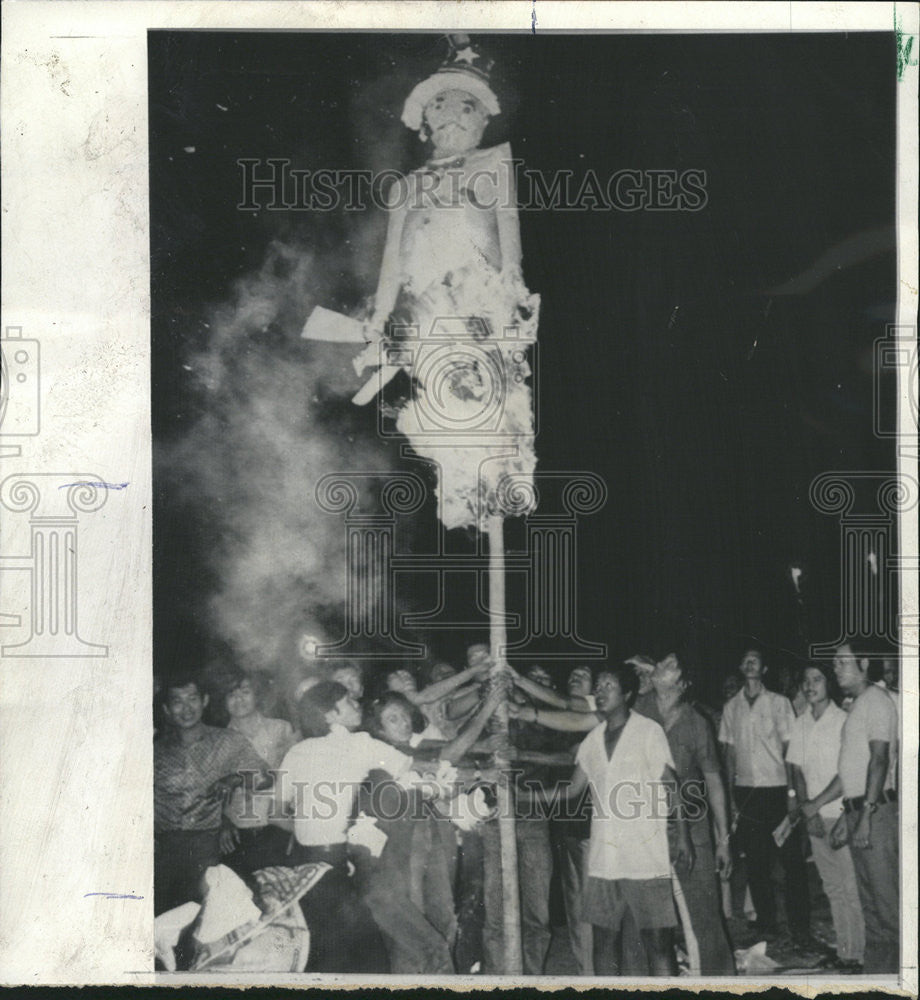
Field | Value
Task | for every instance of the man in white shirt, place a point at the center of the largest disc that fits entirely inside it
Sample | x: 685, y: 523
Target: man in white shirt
x: 866, y: 776
x: 814, y: 749
x: 626, y: 762
x: 319, y: 779
x: 754, y: 732
x: 321, y: 776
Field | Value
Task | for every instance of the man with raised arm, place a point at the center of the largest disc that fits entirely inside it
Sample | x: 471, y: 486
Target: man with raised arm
x: 696, y: 760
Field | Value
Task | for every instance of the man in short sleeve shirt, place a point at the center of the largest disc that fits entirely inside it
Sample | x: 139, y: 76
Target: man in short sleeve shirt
x: 867, y: 770
x: 812, y: 756
x: 191, y: 761
x: 320, y: 777
x: 626, y: 762
x: 319, y: 780
x: 696, y: 762
x: 755, y: 729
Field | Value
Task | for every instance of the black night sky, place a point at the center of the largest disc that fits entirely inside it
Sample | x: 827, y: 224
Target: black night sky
x: 671, y: 361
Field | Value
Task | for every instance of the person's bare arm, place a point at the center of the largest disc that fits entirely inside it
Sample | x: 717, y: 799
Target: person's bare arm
x: 718, y: 805
x: 462, y: 702
x: 540, y: 692
x: 728, y: 749
x: 833, y: 790
x: 458, y: 747
x: 563, y: 722
x: 685, y: 858
x: 578, y: 783
x: 440, y: 689
x: 813, y: 822
x: 877, y: 770
x: 558, y: 758
x: 876, y: 773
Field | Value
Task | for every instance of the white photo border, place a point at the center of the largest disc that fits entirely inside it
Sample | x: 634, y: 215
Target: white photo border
x: 75, y: 828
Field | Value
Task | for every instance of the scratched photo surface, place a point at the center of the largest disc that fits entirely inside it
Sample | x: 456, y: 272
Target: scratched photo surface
x: 709, y: 222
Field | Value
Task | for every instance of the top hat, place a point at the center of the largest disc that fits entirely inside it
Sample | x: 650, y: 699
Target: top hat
x: 464, y: 69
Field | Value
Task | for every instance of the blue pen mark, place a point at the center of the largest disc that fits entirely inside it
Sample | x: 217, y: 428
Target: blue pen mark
x: 112, y: 895
x: 98, y: 486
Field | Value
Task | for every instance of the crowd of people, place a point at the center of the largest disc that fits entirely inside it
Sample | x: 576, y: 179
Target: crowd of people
x: 653, y: 815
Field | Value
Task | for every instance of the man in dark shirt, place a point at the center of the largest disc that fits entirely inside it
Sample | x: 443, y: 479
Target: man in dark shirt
x: 192, y: 766
x: 703, y: 796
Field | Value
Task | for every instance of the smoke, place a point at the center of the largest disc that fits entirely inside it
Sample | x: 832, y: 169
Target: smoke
x: 274, y: 417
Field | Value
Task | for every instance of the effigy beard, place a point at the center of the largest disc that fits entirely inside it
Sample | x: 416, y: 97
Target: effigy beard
x: 471, y: 413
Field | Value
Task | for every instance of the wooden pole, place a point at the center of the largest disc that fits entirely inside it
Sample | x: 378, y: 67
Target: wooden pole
x: 511, y: 901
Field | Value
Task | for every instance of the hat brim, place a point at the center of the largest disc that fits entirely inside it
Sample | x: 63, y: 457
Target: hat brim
x: 446, y: 79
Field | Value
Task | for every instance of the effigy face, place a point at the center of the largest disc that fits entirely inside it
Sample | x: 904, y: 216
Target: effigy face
x: 456, y: 120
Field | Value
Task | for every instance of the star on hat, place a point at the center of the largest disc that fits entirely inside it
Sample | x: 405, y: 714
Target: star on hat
x: 464, y: 69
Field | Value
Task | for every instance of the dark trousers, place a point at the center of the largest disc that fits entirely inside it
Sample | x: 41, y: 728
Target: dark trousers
x: 343, y: 935
x: 415, y: 946
x: 761, y: 811
x: 180, y: 858
x: 264, y: 847
x: 469, y: 894
x: 876, y: 868
x: 572, y: 853
x: 702, y: 891
x: 535, y: 869
x: 414, y: 909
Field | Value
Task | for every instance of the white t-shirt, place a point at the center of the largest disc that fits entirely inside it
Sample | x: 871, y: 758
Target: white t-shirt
x: 320, y: 776
x: 872, y: 716
x: 629, y: 828
x: 814, y: 746
x: 757, y: 732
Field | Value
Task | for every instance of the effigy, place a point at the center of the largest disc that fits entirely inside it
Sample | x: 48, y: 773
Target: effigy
x: 451, y: 310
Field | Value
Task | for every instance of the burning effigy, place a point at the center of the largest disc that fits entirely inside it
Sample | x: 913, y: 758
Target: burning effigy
x: 451, y: 307
x: 451, y: 310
